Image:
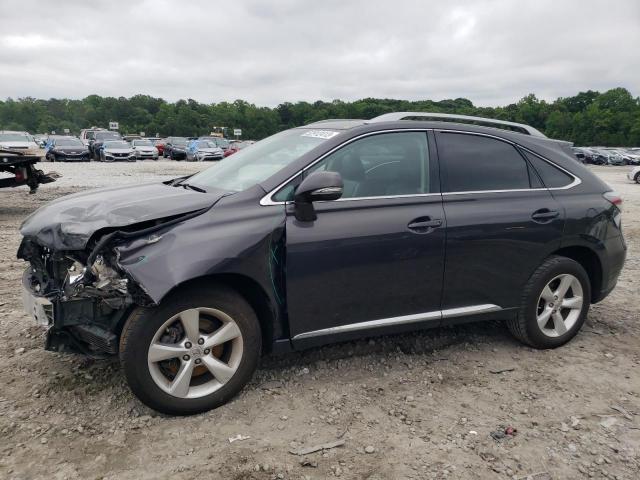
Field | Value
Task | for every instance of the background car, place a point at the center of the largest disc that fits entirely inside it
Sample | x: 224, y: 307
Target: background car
x: 236, y: 146
x: 634, y: 156
x: 22, y: 141
x: 66, y: 149
x: 580, y: 154
x: 175, y: 148
x: 612, y: 158
x: 626, y: 157
x: 117, y: 151
x: 203, y: 150
x: 634, y: 174
x: 159, y: 144
x: 223, y: 143
x: 100, y: 137
x: 87, y: 135
x: 594, y: 157
x: 145, y: 150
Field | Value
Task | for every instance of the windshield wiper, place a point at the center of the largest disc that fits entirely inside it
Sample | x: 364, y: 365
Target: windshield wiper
x: 192, y: 187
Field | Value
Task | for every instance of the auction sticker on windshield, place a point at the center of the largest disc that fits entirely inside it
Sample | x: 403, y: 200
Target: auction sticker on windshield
x: 326, y: 134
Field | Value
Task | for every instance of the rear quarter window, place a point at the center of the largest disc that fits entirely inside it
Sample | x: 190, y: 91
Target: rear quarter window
x: 551, y: 176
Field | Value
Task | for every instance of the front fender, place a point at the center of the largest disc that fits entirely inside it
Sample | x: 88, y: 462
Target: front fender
x: 229, y: 239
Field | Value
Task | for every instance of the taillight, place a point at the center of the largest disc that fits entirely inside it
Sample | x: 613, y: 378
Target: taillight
x: 20, y: 174
x: 613, y: 197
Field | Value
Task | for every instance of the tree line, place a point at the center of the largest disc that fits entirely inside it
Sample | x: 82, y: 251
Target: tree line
x: 611, y: 118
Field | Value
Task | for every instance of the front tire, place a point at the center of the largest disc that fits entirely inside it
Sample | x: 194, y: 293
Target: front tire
x: 192, y: 353
x: 637, y: 177
x: 554, y: 304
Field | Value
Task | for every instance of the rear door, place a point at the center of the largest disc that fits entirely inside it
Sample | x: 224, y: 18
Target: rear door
x: 372, y: 261
x: 501, y: 222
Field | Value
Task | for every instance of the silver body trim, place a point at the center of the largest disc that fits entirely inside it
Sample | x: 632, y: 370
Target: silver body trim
x: 403, y: 320
x: 267, y: 201
x: 395, y: 116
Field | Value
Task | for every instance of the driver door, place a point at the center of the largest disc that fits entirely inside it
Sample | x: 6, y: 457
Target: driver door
x: 372, y: 262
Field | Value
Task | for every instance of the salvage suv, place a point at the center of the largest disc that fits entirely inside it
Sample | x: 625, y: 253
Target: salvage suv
x: 338, y: 230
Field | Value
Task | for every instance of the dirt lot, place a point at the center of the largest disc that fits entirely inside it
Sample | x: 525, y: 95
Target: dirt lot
x: 413, y: 406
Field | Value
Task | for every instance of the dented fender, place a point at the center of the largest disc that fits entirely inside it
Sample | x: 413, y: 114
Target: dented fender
x: 237, y: 239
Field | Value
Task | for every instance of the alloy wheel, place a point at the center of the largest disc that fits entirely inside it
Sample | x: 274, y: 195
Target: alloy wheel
x: 195, y: 352
x: 559, y: 305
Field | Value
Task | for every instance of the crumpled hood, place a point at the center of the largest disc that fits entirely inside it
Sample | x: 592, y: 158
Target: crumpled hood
x: 69, y: 222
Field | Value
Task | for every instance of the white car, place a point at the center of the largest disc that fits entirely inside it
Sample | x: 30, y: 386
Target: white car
x: 117, y: 151
x: 203, y: 150
x: 634, y: 174
x: 144, y: 149
x: 22, y: 141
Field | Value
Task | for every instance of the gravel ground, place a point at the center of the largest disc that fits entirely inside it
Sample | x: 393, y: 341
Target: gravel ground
x: 417, y: 406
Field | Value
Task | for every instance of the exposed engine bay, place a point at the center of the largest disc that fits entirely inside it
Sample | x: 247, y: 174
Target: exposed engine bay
x: 88, y: 296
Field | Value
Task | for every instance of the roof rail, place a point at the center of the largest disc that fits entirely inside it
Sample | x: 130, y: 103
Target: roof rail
x: 518, y: 127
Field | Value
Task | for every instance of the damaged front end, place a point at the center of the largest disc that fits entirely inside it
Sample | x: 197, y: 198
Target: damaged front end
x: 74, y: 284
x: 82, y: 298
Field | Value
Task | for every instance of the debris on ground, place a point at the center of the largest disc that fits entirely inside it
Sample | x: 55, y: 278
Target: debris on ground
x: 317, y: 448
x: 503, y: 370
x: 239, y: 437
x: 503, y: 432
x: 624, y: 413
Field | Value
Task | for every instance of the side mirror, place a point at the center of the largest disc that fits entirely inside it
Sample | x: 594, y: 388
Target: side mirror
x: 319, y: 186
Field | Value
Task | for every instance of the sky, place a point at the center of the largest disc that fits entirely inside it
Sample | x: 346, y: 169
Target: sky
x: 267, y: 52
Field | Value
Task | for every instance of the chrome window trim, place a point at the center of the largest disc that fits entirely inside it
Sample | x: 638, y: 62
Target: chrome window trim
x: 267, y: 201
x: 402, y: 320
x: 576, y: 180
x: 409, y: 195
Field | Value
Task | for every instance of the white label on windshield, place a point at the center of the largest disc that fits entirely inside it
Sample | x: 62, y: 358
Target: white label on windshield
x: 326, y: 134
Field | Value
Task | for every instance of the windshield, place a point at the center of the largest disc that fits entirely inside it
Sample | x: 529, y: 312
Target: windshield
x: 266, y: 157
x: 69, y: 142
x: 206, y: 144
x: 222, y: 142
x: 116, y: 145
x: 142, y: 143
x: 14, y: 137
x: 106, y: 135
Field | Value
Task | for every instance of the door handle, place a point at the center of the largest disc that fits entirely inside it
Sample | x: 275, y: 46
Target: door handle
x: 544, y: 215
x: 424, y: 224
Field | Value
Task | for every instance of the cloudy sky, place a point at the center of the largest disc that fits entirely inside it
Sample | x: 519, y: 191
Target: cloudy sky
x: 492, y: 52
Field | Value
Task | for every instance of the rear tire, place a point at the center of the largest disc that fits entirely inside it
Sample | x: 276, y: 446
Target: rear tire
x: 547, y: 318
x: 216, y: 372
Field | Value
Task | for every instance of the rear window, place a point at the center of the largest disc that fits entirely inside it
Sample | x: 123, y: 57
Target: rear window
x: 551, y: 176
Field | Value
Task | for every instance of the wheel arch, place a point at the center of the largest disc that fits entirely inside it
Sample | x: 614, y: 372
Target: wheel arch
x: 251, y: 291
x: 590, y: 261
